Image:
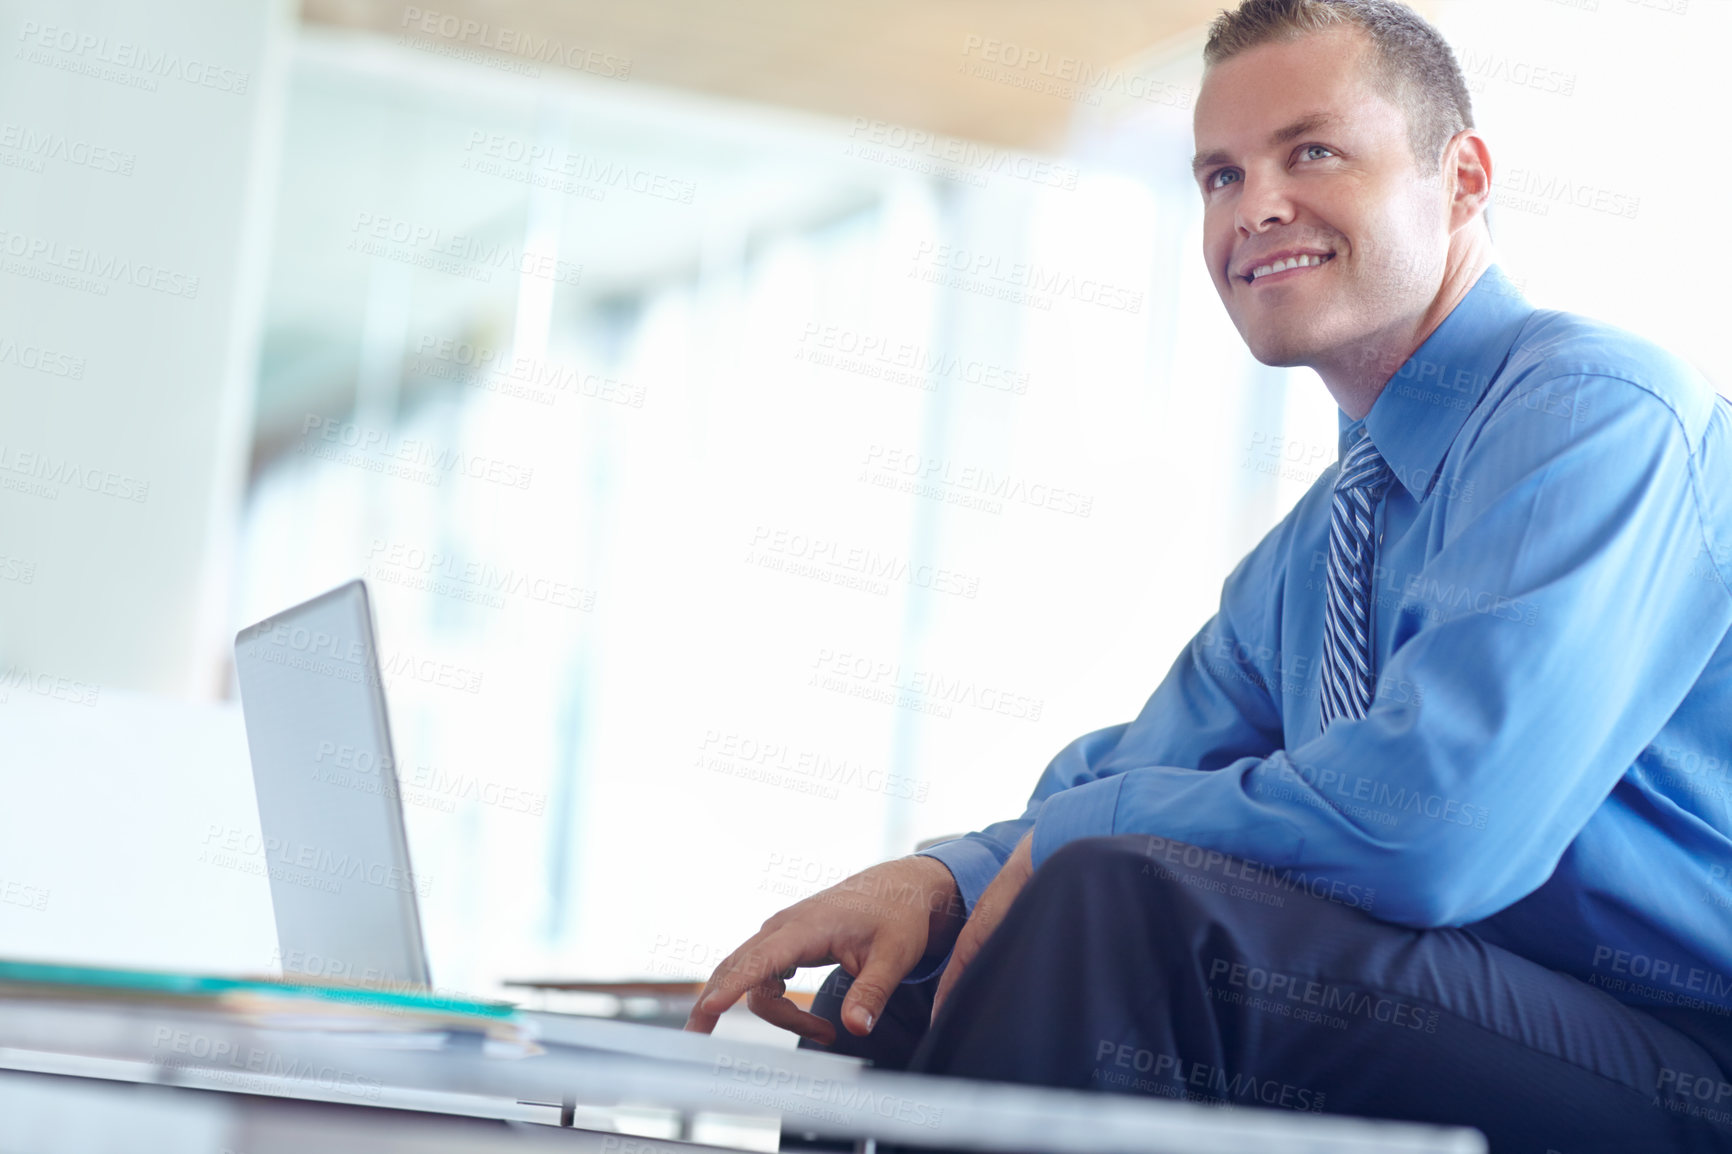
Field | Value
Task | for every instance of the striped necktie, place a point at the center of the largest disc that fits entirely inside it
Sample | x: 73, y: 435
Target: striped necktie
x: 1347, y: 613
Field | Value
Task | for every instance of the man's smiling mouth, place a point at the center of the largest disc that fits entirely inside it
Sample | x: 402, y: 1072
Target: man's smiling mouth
x: 1278, y: 267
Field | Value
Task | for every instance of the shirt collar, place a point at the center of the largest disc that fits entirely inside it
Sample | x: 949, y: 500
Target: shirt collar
x: 1416, y: 417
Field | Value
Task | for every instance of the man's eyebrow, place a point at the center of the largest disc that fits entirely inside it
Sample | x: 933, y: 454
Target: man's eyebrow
x: 1310, y: 122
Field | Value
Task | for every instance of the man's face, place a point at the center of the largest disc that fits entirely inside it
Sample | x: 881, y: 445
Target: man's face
x: 1301, y: 157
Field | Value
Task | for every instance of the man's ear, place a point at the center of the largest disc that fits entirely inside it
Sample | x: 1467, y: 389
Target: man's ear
x: 1467, y: 175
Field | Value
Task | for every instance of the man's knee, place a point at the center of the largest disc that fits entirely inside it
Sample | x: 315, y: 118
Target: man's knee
x: 1185, y: 883
x: 1092, y: 855
x: 1139, y: 853
x: 1173, y: 877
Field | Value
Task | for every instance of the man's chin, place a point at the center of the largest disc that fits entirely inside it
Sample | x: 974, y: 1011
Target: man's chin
x: 1282, y: 351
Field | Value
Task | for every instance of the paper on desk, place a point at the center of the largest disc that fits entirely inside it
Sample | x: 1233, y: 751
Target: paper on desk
x: 497, y: 1042
x: 409, y: 1013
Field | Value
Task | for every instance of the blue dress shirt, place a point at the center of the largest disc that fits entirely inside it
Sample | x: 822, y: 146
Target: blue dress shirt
x: 1548, y: 754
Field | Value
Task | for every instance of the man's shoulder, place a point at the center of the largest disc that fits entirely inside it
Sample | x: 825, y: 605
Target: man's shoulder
x: 1567, y: 354
x: 1588, y: 372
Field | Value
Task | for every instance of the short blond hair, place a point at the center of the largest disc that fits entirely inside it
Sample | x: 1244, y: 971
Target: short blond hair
x: 1413, y: 63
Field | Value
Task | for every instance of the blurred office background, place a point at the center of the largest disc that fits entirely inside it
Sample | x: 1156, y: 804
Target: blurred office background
x: 769, y: 430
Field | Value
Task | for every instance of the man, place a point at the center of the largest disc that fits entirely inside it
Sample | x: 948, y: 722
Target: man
x: 1433, y: 819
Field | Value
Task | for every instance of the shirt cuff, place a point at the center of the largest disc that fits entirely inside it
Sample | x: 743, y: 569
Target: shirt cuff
x: 971, y: 863
x: 1081, y: 811
x: 973, y: 866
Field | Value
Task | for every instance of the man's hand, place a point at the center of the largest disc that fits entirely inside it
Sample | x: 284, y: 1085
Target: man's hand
x: 876, y: 925
x: 988, y: 912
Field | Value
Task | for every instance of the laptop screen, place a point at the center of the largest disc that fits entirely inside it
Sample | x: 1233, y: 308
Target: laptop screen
x: 342, y: 889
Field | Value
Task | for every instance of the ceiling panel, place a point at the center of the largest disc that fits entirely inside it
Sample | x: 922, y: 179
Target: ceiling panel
x: 979, y: 69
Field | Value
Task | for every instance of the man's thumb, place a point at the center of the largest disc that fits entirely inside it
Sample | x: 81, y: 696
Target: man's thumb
x: 871, y: 990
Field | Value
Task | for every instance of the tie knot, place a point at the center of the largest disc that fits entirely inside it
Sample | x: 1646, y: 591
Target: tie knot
x: 1363, y: 467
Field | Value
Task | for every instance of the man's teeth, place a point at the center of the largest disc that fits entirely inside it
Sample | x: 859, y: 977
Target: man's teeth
x: 1303, y: 261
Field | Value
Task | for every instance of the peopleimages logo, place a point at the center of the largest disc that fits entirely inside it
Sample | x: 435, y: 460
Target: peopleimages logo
x: 1019, y: 282
x: 1196, y: 1080
x: 383, y: 450
x: 17, y: 893
x: 1066, y: 77
x: 1288, y: 994
x: 852, y: 566
x: 1260, y: 879
x: 434, y: 571
x: 497, y: 369
x: 22, y: 679
x: 952, y: 158
x: 459, y: 254
x: 90, y: 269
x: 514, y: 42
x: 798, y: 1091
x: 742, y: 755
x: 321, y: 867
x: 50, y: 472
x: 226, y: 1060
x: 514, y: 158
x: 39, y: 359
x: 87, y: 52
x: 36, y: 146
x: 900, y: 362
x: 1664, y: 979
x: 1384, y: 796
x: 922, y: 690
x: 969, y: 485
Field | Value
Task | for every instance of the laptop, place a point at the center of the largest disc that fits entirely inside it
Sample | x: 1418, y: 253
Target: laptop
x: 345, y: 896
x: 342, y: 887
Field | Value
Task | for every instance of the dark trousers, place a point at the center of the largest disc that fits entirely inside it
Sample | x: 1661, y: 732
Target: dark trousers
x: 1121, y: 968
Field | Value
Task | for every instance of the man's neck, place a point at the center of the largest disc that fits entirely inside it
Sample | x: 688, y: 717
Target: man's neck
x: 1357, y: 376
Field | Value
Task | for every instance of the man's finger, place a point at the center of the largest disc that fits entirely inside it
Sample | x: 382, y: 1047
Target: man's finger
x: 988, y: 912
x: 770, y: 1002
x: 1000, y: 894
x: 881, y: 971
x: 760, y: 959
x: 967, y: 945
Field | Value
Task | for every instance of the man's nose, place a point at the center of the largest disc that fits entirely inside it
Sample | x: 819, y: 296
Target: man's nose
x: 1263, y: 203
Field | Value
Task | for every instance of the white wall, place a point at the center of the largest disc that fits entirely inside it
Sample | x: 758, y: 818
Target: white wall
x: 136, y: 158
x: 1605, y: 120
x: 129, y: 836
x: 135, y: 145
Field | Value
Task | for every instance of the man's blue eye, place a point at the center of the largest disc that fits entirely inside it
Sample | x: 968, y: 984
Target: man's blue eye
x: 1322, y: 147
x: 1215, y: 180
